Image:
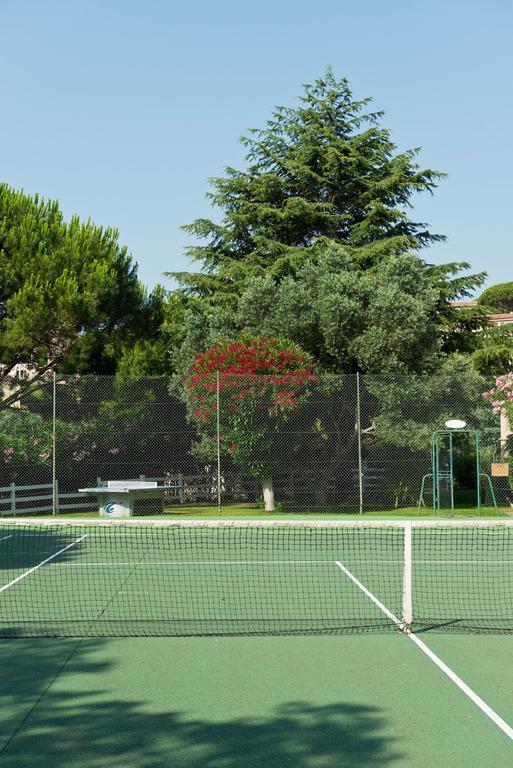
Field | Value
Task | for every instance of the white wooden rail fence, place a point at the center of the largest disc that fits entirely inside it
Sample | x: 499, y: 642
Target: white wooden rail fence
x: 47, y: 499
x: 21, y: 499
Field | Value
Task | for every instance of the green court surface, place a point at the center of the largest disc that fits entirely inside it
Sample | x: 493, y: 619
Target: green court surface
x: 307, y: 702
x: 188, y: 579
x: 356, y: 692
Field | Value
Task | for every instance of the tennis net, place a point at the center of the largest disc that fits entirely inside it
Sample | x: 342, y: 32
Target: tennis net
x: 181, y: 578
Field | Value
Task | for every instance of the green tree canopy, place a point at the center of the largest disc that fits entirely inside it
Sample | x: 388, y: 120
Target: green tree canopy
x: 69, y: 293
x: 498, y: 297
x: 381, y: 319
x: 323, y: 169
x: 495, y: 355
x: 494, y: 352
x: 323, y: 173
x: 408, y: 409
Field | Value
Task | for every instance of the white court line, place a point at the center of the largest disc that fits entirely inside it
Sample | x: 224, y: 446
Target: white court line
x: 145, y: 563
x: 473, y: 696
x: 43, y: 562
x: 6, y: 537
x: 435, y: 562
x: 464, y: 562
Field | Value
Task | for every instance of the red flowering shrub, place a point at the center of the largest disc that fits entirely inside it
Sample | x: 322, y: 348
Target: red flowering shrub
x: 261, y: 382
x: 262, y: 366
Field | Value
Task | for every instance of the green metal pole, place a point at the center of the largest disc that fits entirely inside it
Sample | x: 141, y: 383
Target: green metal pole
x: 359, y: 437
x: 434, y: 464
x: 451, y: 470
x: 54, y: 445
x: 218, y: 430
x: 478, y: 470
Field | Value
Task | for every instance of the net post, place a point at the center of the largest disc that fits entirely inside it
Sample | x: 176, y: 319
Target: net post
x: 359, y: 437
x: 218, y: 428
x: 407, y: 612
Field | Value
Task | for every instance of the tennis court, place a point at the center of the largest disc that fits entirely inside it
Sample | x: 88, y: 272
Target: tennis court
x: 270, y: 643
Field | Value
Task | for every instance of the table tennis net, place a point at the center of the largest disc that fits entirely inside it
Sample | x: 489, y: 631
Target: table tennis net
x: 184, y: 578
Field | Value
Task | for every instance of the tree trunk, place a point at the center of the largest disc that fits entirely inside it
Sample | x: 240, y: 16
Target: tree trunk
x: 506, y: 431
x: 268, y: 494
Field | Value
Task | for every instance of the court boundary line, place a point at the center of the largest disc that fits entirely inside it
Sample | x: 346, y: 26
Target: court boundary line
x: 456, y: 679
x: 282, y: 562
x: 39, y: 565
x: 127, y: 563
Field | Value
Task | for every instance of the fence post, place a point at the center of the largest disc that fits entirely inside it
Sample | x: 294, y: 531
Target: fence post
x: 179, y: 482
x: 359, y: 437
x: 55, y: 500
x: 13, y: 499
x: 56, y: 497
x: 218, y: 446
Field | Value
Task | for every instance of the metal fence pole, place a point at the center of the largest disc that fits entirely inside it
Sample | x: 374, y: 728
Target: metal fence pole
x: 359, y: 437
x: 218, y: 446
x: 54, y: 447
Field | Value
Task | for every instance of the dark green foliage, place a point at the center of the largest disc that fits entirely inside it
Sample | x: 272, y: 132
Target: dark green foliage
x: 494, y: 355
x: 24, y: 438
x: 145, y: 346
x: 408, y: 409
x: 106, y: 426
x: 493, y: 360
x: 460, y: 328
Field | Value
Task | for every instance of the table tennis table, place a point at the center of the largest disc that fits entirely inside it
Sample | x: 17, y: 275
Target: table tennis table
x: 124, y: 498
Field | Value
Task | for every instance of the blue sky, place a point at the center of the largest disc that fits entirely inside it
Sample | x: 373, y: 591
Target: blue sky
x: 123, y: 109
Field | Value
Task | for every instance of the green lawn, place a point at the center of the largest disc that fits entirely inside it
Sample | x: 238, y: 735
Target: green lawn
x: 255, y: 511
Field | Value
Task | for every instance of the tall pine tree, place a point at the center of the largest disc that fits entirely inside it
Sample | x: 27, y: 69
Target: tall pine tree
x: 324, y: 170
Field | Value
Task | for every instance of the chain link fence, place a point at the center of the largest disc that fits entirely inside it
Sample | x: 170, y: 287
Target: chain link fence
x: 349, y: 444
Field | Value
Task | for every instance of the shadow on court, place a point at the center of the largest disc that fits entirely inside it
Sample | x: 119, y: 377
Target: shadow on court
x: 76, y: 724
x: 23, y: 547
